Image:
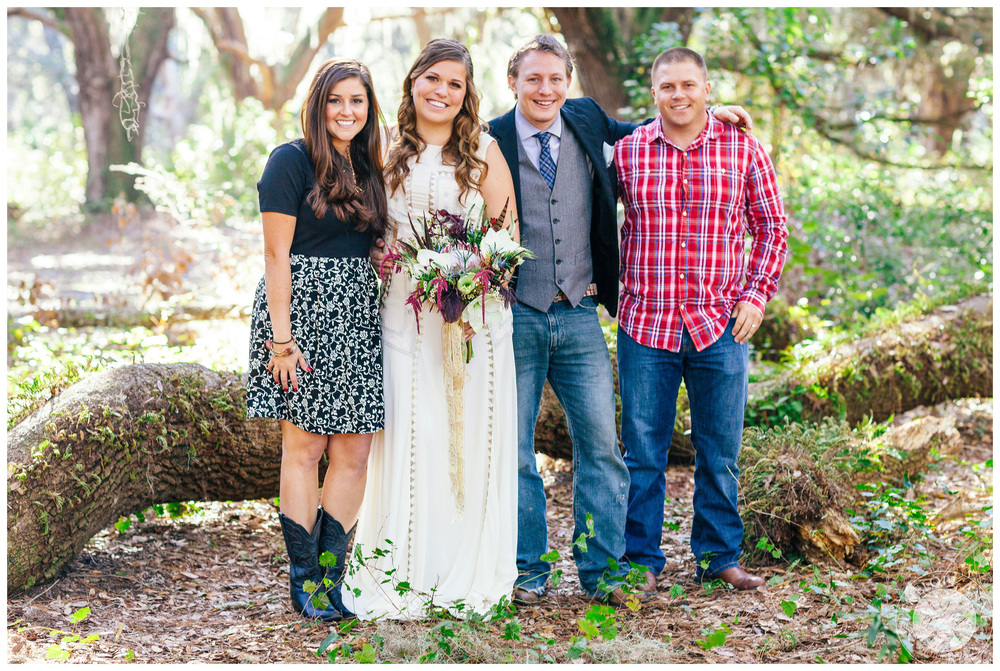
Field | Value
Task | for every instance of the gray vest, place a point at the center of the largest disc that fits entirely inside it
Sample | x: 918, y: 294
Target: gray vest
x: 556, y: 227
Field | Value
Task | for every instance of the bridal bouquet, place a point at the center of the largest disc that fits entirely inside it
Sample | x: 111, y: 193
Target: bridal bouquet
x: 460, y: 266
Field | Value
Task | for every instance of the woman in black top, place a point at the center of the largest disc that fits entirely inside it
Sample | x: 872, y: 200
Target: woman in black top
x: 315, y: 351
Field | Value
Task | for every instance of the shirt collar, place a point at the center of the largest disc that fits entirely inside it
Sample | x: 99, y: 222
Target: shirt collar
x: 710, y: 132
x: 526, y: 129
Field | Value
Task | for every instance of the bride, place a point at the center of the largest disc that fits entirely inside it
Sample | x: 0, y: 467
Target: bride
x: 420, y: 542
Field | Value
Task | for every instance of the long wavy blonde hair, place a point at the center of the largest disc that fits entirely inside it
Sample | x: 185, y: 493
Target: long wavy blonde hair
x: 460, y: 150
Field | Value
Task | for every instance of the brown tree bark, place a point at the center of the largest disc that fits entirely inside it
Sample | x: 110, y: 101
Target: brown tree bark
x: 120, y: 441
x: 97, y: 73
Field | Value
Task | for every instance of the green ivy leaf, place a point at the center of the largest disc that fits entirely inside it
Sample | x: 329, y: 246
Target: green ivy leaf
x: 80, y: 615
x: 512, y: 631
x: 55, y: 652
x: 576, y: 647
x: 588, y: 628
x: 366, y: 655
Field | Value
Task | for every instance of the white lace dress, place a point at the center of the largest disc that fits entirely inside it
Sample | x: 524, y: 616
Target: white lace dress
x: 416, y: 549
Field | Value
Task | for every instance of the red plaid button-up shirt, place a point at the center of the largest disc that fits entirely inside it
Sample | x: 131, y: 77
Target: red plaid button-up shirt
x: 687, y: 212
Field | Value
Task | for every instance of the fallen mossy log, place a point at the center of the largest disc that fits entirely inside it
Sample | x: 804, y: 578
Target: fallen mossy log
x: 947, y: 354
x: 128, y: 317
x: 119, y: 441
x: 797, y: 481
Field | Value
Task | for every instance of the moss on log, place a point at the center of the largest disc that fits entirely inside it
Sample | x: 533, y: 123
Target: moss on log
x: 796, y: 481
x: 947, y: 354
x: 120, y: 441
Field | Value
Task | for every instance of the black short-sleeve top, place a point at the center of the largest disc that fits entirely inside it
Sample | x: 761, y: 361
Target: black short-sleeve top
x: 288, y: 178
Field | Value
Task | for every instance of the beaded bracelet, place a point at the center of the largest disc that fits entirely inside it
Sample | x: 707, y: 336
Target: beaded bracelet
x: 285, y: 352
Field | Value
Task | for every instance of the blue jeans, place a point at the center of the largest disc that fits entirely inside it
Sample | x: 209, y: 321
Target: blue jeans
x: 716, y: 379
x: 566, y: 346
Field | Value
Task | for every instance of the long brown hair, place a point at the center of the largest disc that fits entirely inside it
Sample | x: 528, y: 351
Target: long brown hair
x: 335, y: 187
x: 460, y: 150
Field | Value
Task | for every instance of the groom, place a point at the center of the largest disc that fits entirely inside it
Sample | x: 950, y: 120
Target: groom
x: 555, y: 149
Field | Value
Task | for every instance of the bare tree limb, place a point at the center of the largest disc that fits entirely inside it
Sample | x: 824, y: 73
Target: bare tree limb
x: 870, y: 156
x: 34, y: 15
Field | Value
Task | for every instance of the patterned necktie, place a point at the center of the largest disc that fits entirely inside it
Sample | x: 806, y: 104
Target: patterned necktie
x: 546, y: 165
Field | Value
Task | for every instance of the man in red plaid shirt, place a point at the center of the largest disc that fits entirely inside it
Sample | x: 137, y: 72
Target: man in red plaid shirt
x: 693, y: 188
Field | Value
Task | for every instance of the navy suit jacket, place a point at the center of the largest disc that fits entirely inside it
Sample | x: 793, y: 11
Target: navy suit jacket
x: 593, y: 129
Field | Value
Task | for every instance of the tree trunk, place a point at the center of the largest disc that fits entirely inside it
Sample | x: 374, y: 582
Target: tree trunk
x: 148, y: 49
x: 97, y: 74
x: 120, y: 441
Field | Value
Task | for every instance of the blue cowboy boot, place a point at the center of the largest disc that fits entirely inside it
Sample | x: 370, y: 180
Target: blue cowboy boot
x: 304, y: 566
x: 332, y: 539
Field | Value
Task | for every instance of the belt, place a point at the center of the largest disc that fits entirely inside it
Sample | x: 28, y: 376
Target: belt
x: 591, y: 291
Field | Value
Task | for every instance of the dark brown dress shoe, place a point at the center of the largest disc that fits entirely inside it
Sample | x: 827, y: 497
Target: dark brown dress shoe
x: 617, y: 598
x: 740, y: 579
x: 648, y: 584
x: 523, y: 597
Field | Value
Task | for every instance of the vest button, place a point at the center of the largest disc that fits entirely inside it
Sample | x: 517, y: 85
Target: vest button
x: 555, y: 221
x: 554, y: 201
x: 558, y: 240
x: 558, y: 261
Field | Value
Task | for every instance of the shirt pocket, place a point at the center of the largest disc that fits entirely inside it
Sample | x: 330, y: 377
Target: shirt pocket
x: 723, y: 189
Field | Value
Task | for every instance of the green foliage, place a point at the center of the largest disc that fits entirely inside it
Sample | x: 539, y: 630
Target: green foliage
x: 80, y: 615
x: 581, y: 540
x: 555, y: 577
x: 793, y: 473
x: 211, y: 174
x: 714, y: 638
x: 27, y: 394
x: 577, y: 646
x: 765, y: 544
x: 788, y: 606
x: 599, y: 620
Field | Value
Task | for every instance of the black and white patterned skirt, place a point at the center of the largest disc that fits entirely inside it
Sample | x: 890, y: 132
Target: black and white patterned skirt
x: 335, y: 320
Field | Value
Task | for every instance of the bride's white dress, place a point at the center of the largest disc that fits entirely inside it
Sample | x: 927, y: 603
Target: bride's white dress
x: 416, y: 551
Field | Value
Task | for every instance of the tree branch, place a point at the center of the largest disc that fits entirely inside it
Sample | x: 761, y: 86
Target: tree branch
x: 884, y: 161
x: 33, y: 15
x: 918, y: 120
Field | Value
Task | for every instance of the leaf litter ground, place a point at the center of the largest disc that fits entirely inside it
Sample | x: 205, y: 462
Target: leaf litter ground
x: 212, y: 587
